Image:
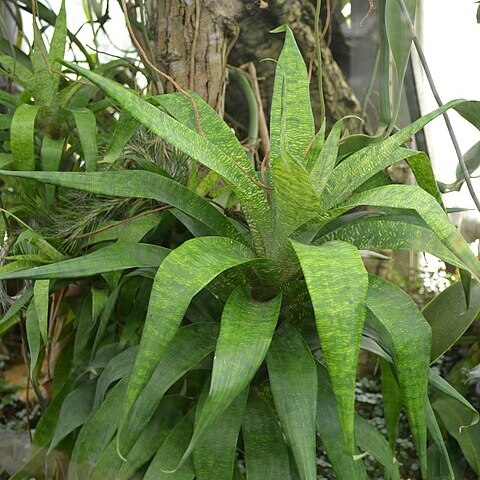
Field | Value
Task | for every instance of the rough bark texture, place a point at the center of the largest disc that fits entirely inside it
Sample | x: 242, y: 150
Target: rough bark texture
x: 192, y: 39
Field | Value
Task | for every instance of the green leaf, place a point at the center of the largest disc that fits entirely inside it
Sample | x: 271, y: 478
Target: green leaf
x: 214, y: 456
x: 97, y: 433
x: 139, y: 184
x: 421, y: 167
x: 115, y: 257
x: 337, y: 283
x: 191, y: 143
x: 171, y: 451
x: 295, y: 201
x: 364, y: 163
x: 125, y: 128
x: 12, y: 316
x: 444, y: 388
x: 75, y: 411
x: 246, y: 331
x: 400, y: 42
x: 215, y: 129
x: 370, y: 440
x: 415, y: 198
x: 199, y: 340
x: 50, y: 158
x: 407, y: 335
x: 33, y: 337
x: 315, y: 148
x: 291, y: 368
x: 436, y: 435
x: 41, y: 299
x: 330, y: 431
x: 59, y: 38
x: 266, y: 454
x: 186, y: 271
x: 22, y: 134
x: 392, y: 402
x: 395, y: 232
x: 291, y: 76
x: 455, y: 417
x: 324, y: 165
x: 87, y: 132
x: 449, y: 317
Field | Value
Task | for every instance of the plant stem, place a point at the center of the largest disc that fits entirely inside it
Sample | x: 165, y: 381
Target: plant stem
x: 434, y: 90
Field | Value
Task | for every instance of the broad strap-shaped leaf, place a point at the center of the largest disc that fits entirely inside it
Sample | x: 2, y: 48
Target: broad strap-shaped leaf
x: 41, y: 299
x: 97, y: 433
x: 87, y: 133
x: 50, y: 158
x: 58, y: 43
x: 291, y: 100
x: 400, y: 41
x: 12, y: 316
x: 124, y: 130
x: 337, y: 283
x: 407, y: 335
x: 171, y: 451
x: 421, y: 167
x: 330, y: 431
x: 295, y: 202
x: 449, y: 316
x: 214, y: 456
x: 119, y: 256
x: 266, y: 455
x: 324, y: 165
x: 395, y: 232
x: 293, y: 379
x: 428, y: 209
x: 364, y: 163
x: 33, y: 337
x: 455, y: 416
x: 22, y: 134
x: 370, y: 440
x: 392, y: 402
x: 214, y: 128
x: 246, y: 331
x: 315, y: 148
x: 199, y: 340
x: 110, y: 465
x: 193, y: 144
x: 186, y: 271
x: 76, y: 409
x: 445, y: 389
x: 139, y: 184
x: 435, y: 434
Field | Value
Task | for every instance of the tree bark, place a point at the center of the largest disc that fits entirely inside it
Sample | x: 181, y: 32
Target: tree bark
x: 191, y: 41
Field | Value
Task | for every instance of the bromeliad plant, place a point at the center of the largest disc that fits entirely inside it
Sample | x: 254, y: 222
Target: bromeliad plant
x: 278, y: 295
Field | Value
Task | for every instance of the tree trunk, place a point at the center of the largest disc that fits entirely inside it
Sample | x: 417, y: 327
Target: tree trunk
x: 191, y: 42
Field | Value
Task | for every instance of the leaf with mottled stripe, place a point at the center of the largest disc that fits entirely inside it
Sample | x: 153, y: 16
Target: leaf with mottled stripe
x: 22, y: 133
x: 41, y: 299
x: 395, y: 232
x: 330, y: 431
x: 139, y: 184
x: 115, y: 257
x: 293, y: 379
x: 449, y: 316
x: 193, y: 144
x: 337, y: 283
x: 199, y: 340
x: 246, y: 331
x: 291, y: 76
x: 407, y: 334
x: 392, y: 401
x: 87, y: 133
x: 266, y: 454
x: 124, y: 130
x: 214, y: 456
x: 415, y: 198
x: 183, y: 274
